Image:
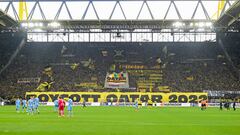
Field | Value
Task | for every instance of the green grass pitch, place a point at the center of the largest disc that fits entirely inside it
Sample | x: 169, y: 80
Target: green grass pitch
x: 121, y: 121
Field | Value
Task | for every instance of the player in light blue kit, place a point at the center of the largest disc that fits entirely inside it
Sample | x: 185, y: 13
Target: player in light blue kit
x: 136, y: 105
x: 36, y: 104
x: 70, y: 107
x: 18, y: 103
x: 24, y: 104
x: 55, y: 105
x: 30, y: 106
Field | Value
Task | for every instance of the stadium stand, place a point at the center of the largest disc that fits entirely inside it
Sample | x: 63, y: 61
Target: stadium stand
x: 152, y: 67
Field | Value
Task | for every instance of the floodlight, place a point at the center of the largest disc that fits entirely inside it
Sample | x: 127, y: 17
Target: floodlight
x: 208, y: 24
x: 54, y: 24
x: 178, y: 24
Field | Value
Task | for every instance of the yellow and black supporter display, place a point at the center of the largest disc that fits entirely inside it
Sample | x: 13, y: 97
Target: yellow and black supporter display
x: 121, y: 97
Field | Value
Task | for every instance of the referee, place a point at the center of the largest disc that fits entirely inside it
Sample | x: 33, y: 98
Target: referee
x: 221, y: 105
x: 234, y: 105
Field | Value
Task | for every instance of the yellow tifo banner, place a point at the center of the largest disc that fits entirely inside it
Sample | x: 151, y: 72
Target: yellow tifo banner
x: 121, y: 97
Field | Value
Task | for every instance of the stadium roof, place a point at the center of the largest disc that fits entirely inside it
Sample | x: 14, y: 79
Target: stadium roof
x: 115, y: 9
x: 231, y: 18
x: 6, y: 21
x: 158, y: 14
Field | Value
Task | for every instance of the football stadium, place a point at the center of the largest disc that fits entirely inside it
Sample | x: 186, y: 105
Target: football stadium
x: 119, y: 67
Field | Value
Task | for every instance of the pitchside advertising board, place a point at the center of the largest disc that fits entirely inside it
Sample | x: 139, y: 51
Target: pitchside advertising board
x: 121, y: 97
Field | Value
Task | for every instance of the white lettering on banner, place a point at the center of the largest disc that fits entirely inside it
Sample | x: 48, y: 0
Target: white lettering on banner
x: 185, y: 105
x: 29, y: 80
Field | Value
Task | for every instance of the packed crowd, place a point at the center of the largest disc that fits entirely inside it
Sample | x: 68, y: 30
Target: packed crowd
x: 184, y: 66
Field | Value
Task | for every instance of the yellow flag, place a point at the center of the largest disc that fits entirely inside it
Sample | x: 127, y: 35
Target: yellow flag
x: 74, y: 66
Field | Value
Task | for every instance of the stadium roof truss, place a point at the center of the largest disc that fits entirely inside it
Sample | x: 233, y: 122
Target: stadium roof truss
x: 230, y: 19
x: 6, y: 21
x: 117, y: 20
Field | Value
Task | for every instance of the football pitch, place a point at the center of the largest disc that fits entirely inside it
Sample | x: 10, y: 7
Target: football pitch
x: 121, y: 121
